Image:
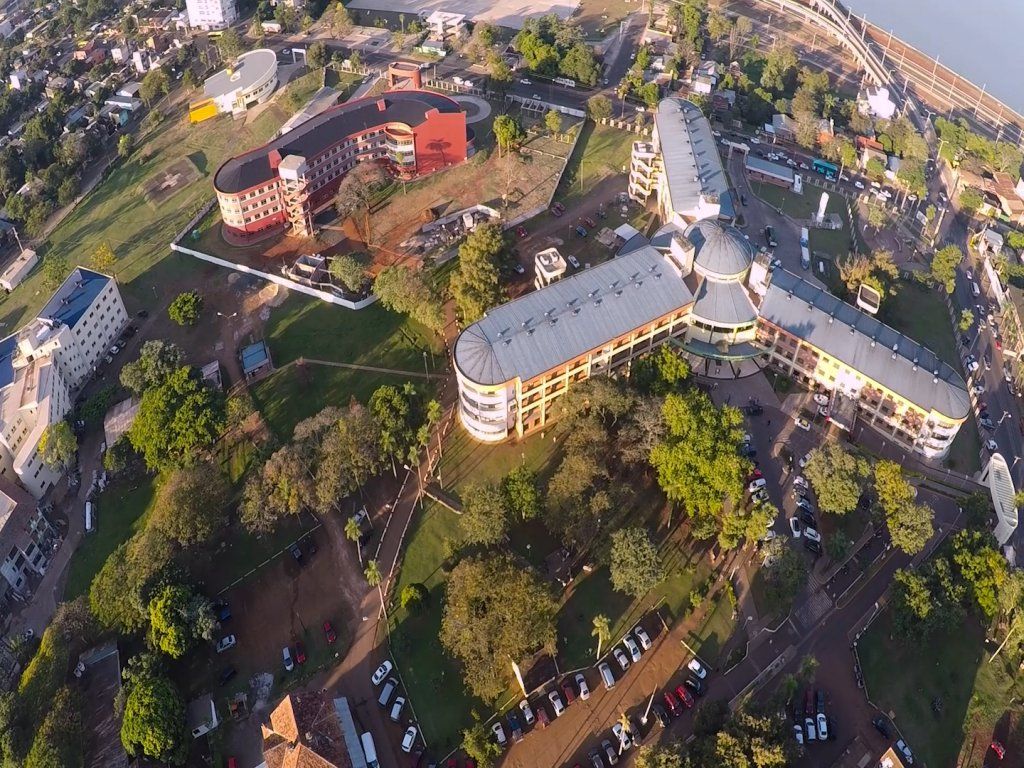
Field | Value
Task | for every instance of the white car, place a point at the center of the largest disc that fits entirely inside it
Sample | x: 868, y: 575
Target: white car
x: 858, y: 184
x: 794, y: 526
x: 754, y: 140
x: 757, y: 484
x: 289, y: 662
x: 821, y: 398
x: 800, y: 481
x: 804, y: 167
x: 798, y: 733
x: 697, y: 668
x: 410, y: 737
x: 620, y: 657
x: 499, y: 734
x: 972, y: 366
x: 527, y: 711
x: 977, y: 389
x: 556, y: 703
x: 812, y: 534
x: 822, y: 726
x: 622, y: 736
x: 791, y: 163
x: 769, y: 535
x: 382, y: 671
x: 809, y: 728
x: 574, y: 261
x: 804, y: 460
x: 760, y: 496
x: 908, y: 756
x: 803, y: 423
x: 524, y: 81
x: 992, y: 446
x: 643, y: 638
x: 632, y: 647
x: 581, y: 683
x: 226, y: 642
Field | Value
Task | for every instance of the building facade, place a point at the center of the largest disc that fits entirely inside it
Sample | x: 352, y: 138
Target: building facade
x: 705, y: 289
x: 211, y: 14
x: 45, y: 363
x: 26, y: 541
x: 294, y: 177
x: 250, y: 80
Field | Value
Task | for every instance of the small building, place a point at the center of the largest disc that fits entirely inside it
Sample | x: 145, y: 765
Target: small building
x: 210, y: 373
x: 989, y: 241
x: 433, y: 48
x: 784, y: 127
x: 19, y: 80
x: 867, y: 154
x: 123, y: 102
x: 444, y: 25
x: 248, y: 81
x: 57, y: 85
x: 129, y: 90
x: 201, y: 716
x: 310, y: 729
x: 256, y: 362
x: 723, y: 100
x: 548, y: 266
x: 18, y: 269
x: 26, y: 539
x: 876, y: 102
x: 760, y: 169
x: 119, y: 419
x: 404, y: 74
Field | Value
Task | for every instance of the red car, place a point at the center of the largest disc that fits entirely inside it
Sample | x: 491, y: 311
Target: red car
x: 521, y: 232
x: 329, y: 632
x: 300, y: 652
x: 567, y: 689
x: 685, y: 696
x: 999, y: 749
x: 755, y: 475
x: 673, y: 706
x: 590, y: 222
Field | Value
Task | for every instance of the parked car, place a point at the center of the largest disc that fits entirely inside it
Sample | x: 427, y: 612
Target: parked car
x: 595, y: 759
x: 289, y: 662
x: 296, y: 553
x: 409, y: 738
x: 226, y: 642
x: 795, y: 527
x: 811, y: 533
x: 589, y: 222
x: 329, y: 634
x: 695, y: 685
x: 542, y: 716
x: 555, y: 211
x: 622, y: 736
x: 673, y: 705
x: 882, y: 726
x: 556, y: 703
x: 620, y: 657
x: 524, y: 707
x: 514, y: 728
x: 396, y: 709
x: 610, y: 752
x: 803, y: 423
x: 757, y: 484
x: 822, y: 726
x: 697, y: 668
x: 684, y: 696
x: 581, y: 683
x: 499, y: 734
x: 221, y: 610
x: 574, y: 261
x: 567, y: 689
x: 812, y: 545
x: 798, y: 733
x: 381, y: 672
x: 660, y: 715
x: 300, y: 652
x: 908, y: 756
x: 580, y: 231
x: 809, y: 729
x: 635, y: 733
x: 521, y: 232
x: 632, y: 647
x: 643, y: 638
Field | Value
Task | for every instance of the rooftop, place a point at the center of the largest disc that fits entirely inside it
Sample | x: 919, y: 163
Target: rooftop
x: 328, y: 128
x: 75, y: 296
x: 721, y: 251
x: 248, y: 70
x: 562, y: 321
x: 693, y: 166
x: 754, y: 163
x: 881, y: 353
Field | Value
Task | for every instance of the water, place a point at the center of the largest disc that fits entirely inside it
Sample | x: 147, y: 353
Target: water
x: 979, y: 39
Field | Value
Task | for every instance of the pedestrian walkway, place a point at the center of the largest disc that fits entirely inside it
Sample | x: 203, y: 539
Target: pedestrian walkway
x: 812, y: 610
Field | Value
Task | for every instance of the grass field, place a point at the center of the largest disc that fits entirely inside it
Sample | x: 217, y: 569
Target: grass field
x: 116, y: 212
x: 120, y: 513
x: 601, y: 153
x: 834, y: 242
x: 976, y: 695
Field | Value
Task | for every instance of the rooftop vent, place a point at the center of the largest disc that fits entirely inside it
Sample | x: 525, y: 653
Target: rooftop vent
x: 597, y: 302
x: 576, y: 311
x: 618, y: 292
x: 639, y: 283
x: 552, y: 321
x: 507, y: 342
x: 592, y: 294
x: 530, y: 332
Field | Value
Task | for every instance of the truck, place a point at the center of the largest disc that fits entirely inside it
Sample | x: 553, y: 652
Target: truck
x: 805, y: 248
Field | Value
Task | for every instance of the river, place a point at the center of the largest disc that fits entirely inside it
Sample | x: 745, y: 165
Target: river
x: 976, y: 39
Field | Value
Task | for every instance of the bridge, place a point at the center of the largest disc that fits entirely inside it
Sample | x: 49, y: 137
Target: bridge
x: 905, y: 71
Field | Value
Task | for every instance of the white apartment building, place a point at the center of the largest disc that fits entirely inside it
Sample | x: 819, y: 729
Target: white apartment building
x: 26, y: 542
x: 45, y: 363
x: 211, y: 14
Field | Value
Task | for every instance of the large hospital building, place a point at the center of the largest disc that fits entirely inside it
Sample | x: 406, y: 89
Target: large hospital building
x: 699, y: 283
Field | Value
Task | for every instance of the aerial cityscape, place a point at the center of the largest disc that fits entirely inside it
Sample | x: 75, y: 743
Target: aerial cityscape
x: 505, y: 384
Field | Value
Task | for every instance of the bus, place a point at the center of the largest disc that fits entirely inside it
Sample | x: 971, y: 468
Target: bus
x: 828, y: 170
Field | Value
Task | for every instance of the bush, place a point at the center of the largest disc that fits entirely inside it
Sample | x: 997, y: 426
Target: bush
x: 186, y: 308
x: 414, y: 597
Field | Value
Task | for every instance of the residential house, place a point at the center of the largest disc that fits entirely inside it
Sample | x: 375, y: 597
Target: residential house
x: 313, y: 731
x: 19, y: 79
x: 445, y: 26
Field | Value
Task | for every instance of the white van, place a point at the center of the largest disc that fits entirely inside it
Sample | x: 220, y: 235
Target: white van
x: 385, y: 694
x: 90, y: 518
x: 975, y: 289
x: 606, y: 675
x: 369, y: 750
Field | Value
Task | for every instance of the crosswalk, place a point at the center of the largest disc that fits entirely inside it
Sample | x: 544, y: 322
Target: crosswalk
x: 810, y: 613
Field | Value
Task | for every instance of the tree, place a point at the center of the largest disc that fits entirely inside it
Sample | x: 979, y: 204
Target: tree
x: 874, y: 169
x: 475, y: 285
x: 190, y: 81
x: 60, y: 738
x: 230, y: 44
x: 521, y: 494
x: 891, y: 489
x: 154, y: 720
x: 186, y: 308
x: 668, y: 756
x: 785, y: 572
x: 124, y: 145
x: 876, y: 216
x: 177, y: 619
x: 192, y: 504
x: 484, y: 520
x: 156, y: 362
x: 352, y: 532
x: 943, y: 267
x: 496, y: 611
x: 746, y: 523
x: 599, y: 108
x: 55, y: 270
x: 103, y: 259
x: 553, y: 122
x: 601, y: 630
x: 156, y: 83
x: 966, y: 320
x: 982, y: 568
x: 357, y: 192
x: 337, y: 20
x: 404, y: 291
x: 177, y: 420
x: 661, y: 372
x: 635, y: 566
x: 414, y: 597
x: 478, y: 744
x: 910, y: 527
x: 508, y: 134
x: 498, y: 71
x: 348, y: 269
x: 68, y: 190
x: 316, y: 56
x: 580, y: 64
x: 372, y: 573
x: 698, y: 462
x: 838, y: 478
x: 879, y: 271
x: 57, y: 446
x: 971, y: 200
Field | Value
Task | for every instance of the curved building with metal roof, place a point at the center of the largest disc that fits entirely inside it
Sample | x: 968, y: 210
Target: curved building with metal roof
x: 249, y: 81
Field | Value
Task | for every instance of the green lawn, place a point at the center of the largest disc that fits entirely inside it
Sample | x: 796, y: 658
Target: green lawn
x: 975, y: 694
x: 120, y: 513
x: 920, y: 312
x: 241, y: 551
x: 834, y: 242
x: 306, y: 327
x: 601, y: 152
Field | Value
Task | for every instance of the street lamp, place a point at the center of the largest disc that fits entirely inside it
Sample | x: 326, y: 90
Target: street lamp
x: 1006, y: 415
x: 221, y: 314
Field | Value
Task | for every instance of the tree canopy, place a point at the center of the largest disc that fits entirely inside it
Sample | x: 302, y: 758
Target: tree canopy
x: 186, y: 308
x: 58, y: 445
x: 154, y: 720
x: 405, y: 291
x: 943, y: 267
x: 635, y: 565
x: 475, y: 284
x: 838, y: 477
x: 496, y: 612
x: 483, y: 520
x: 177, y: 619
x: 156, y: 362
x: 192, y: 503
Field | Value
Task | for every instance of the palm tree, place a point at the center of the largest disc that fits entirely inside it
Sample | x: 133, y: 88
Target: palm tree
x: 372, y: 573
x: 602, y: 631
